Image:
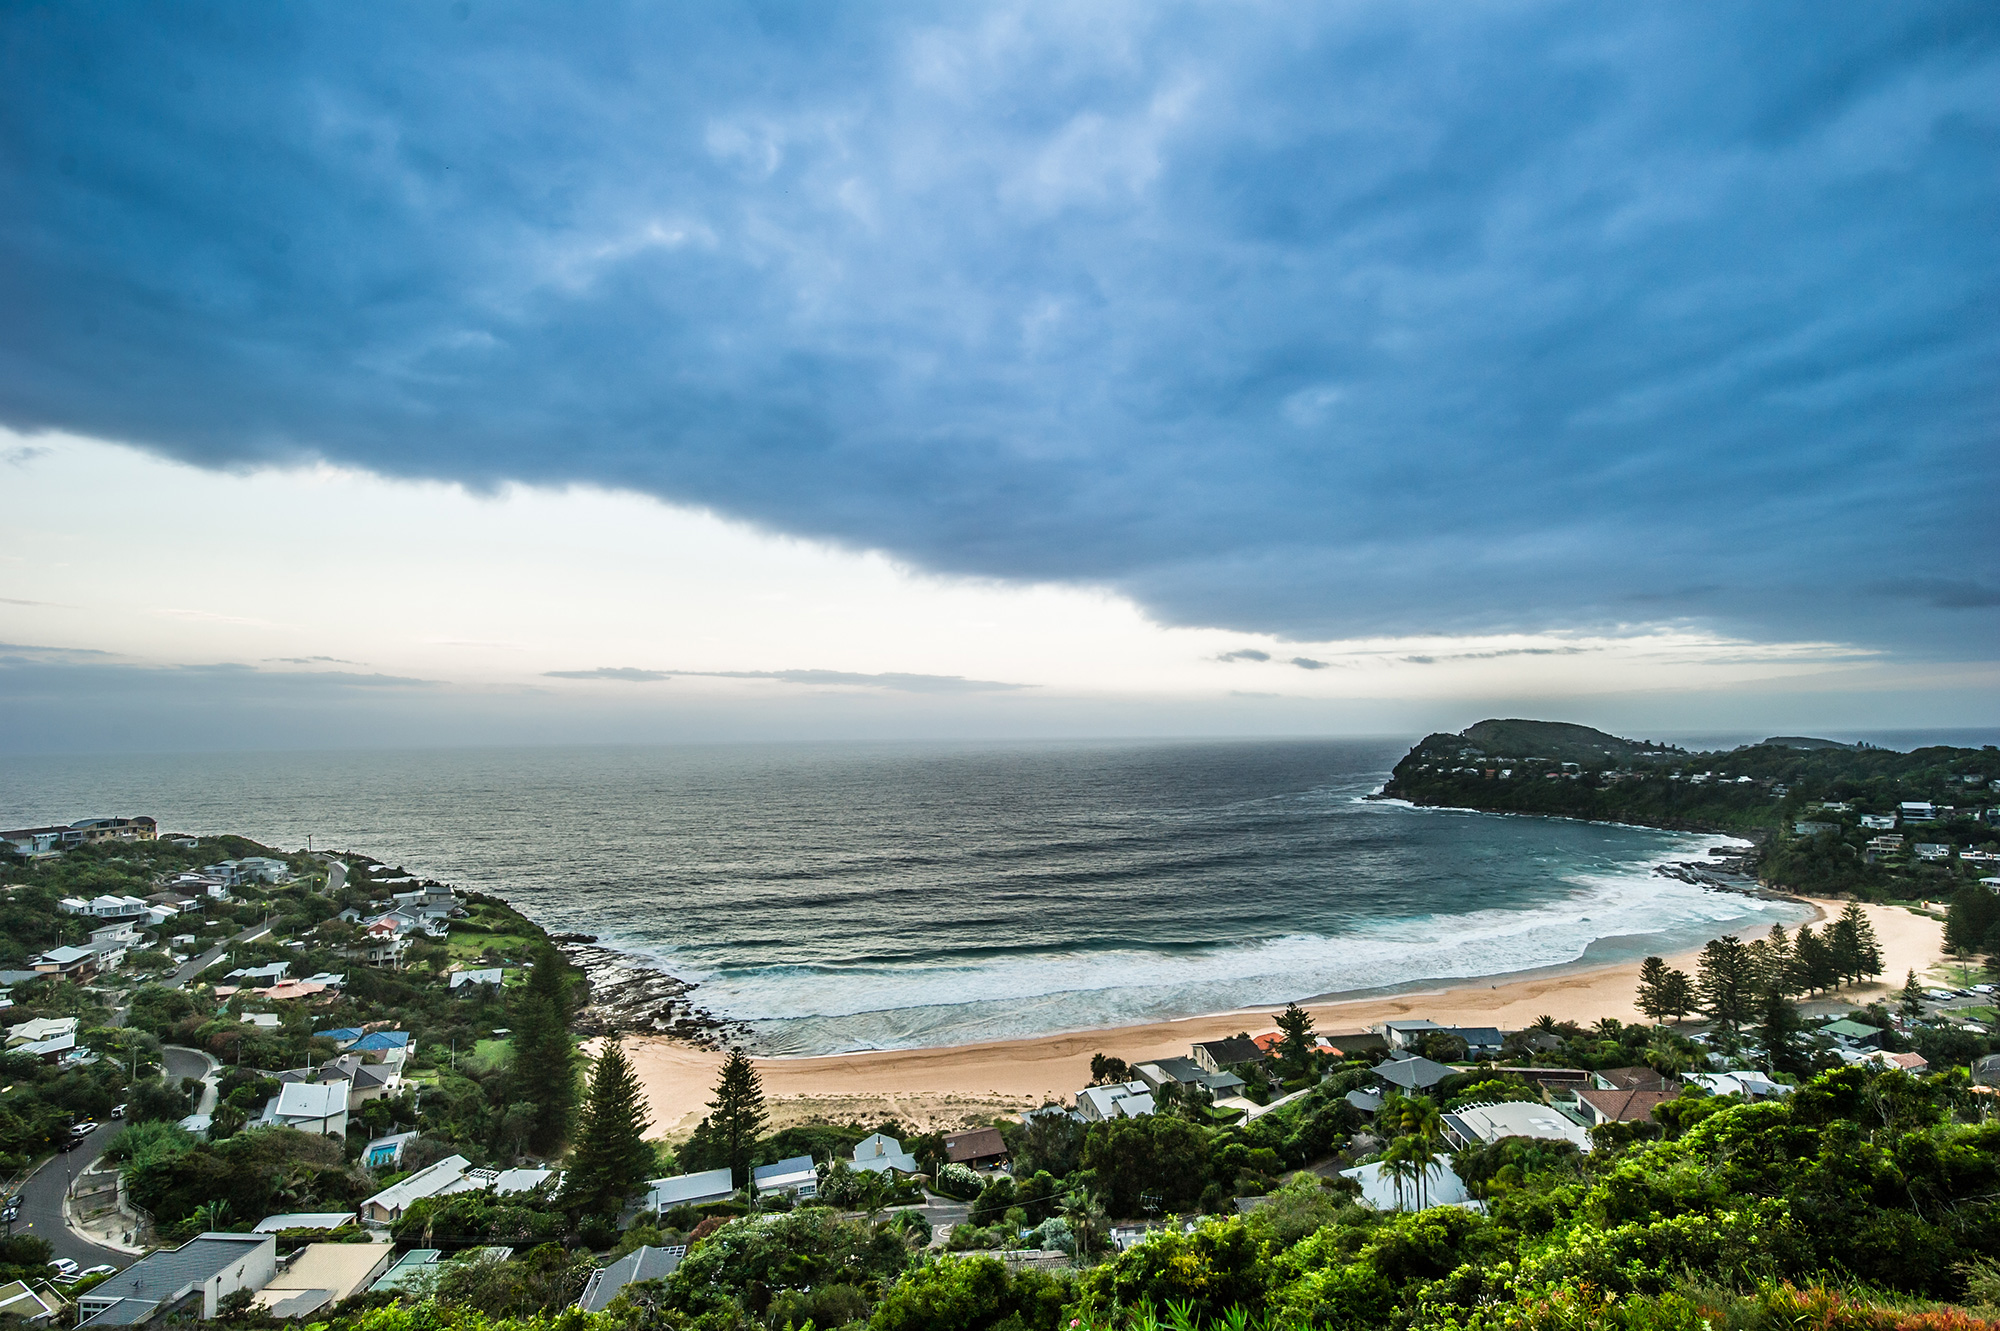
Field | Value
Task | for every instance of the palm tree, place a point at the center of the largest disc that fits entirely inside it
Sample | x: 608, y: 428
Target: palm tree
x: 1419, y: 1124
x: 1402, y: 1169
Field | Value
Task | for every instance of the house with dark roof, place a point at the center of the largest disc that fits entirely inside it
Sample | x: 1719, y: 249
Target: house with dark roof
x: 196, y: 1276
x: 1599, y: 1106
x: 1412, y: 1073
x: 1221, y: 1055
x: 1634, y: 1079
x: 981, y: 1148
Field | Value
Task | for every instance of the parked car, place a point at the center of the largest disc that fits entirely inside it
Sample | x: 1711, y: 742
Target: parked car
x: 63, y: 1265
x: 118, y: 1111
x: 69, y: 1143
x: 11, y: 1213
x: 85, y: 1128
x: 102, y: 1269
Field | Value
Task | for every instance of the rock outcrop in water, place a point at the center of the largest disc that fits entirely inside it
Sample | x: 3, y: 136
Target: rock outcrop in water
x: 631, y: 996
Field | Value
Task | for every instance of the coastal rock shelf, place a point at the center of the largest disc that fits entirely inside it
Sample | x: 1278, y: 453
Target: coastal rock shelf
x: 630, y: 996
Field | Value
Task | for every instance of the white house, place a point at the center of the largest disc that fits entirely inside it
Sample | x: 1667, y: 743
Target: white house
x: 1486, y: 1124
x: 710, y: 1185
x: 388, y: 1205
x: 796, y: 1176
x: 311, y: 1106
x: 1101, y: 1104
x: 876, y: 1152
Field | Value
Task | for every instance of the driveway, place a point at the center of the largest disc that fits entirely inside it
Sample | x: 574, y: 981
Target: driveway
x: 181, y: 1062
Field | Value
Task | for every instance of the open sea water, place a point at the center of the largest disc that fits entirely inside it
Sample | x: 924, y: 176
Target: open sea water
x: 840, y: 897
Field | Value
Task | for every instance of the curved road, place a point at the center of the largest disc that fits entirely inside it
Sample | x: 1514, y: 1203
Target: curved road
x: 42, y: 1202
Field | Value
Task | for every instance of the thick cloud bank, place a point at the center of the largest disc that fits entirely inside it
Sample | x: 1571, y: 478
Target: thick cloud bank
x: 1389, y: 318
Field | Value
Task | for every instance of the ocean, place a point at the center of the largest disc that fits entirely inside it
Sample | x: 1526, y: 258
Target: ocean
x: 840, y: 897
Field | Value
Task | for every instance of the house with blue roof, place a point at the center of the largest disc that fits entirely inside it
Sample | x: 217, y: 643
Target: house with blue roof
x: 381, y: 1042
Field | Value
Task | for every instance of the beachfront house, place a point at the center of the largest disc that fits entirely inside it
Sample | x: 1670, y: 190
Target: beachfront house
x: 1855, y: 1035
x: 1187, y: 1072
x: 1128, y: 1099
x: 796, y: 1176
x: 876, y: 1152
x: 1222, y: 1055
x: 710, y: 1185
x: 981, y: 1148
x: 1749, y: 1085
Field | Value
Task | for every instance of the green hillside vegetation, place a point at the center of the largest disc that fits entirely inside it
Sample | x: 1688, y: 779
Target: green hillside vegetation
x: 1761, y: 791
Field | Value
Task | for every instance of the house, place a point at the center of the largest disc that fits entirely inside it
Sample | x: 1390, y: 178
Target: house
x: 77, y: 963
x: 277, y: 1224
x: 1381, y: 1190
x: 388, y: 1044
x: 322, y: 1275
x: 1485, y: 1124
x: 20, y: 1304
x: 1129, y: 1099
x: 41, y: 1028
x: 196, y: 1277
x: 1480, y: 1041
x: 1405, y: 1034
x: 34, y: 841
x: 387, y: 1206
x: 796, y: 1176
x: 493, y: 976
x: 290, y: 990
x: 1749, y: 1085
x: 710, y: 1185
x: 116, y: 908
x: 1222, y: 1055
x: 411, y: 1263
x: 1879, y: 822
x: 1633, y: 1079
x: 268, y: 1021
x: 981, y: 1148
x: 363, y: 1081
x: 642, y: 1263
x: 310, y: 1106
x: 1917, y: 811
x: 87, y: 831
x: 269, y: 974
x: 1411, y: 1074
x: 1854, y: 1034
x: 342, y: 1036
x: 1600, y: 1106
x: 1933, y: 851
x: 1187, y: 1072
x: 1907, y: 1062
x: 386, y: 1152
x: 875, y: 1153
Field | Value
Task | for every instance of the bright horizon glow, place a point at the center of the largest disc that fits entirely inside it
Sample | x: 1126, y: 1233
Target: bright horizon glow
x: 332, y: 573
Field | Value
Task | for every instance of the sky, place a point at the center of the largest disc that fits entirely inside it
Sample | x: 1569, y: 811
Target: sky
x: 470, y: 372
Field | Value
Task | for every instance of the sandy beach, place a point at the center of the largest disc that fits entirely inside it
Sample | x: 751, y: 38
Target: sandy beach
x: 952, y: 1087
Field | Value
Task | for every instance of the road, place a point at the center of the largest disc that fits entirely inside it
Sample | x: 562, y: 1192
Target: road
x: 42, y: 1201
x: 336, y: 875
x: 191, y: 969
x: 181, y: 1062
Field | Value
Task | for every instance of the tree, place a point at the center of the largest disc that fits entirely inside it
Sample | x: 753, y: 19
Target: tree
x: 1726, y: 983
x: 611, y: 1159
x: 1419, y: 1125
x: 1857, y: 953
x: 1778, y: 960
x: 544, y: 1059
x: 1652, y: 987
x: 738, y: 1114
x: 1296, y: 1049
x: 1677, y: 993
x: 1813, y: 963
x: 1911, y: 997
x: 1778, y: 1030
x: 1105, y: 1070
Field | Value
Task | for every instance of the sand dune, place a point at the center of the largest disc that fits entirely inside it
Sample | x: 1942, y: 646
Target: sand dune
x: 949, y: 1087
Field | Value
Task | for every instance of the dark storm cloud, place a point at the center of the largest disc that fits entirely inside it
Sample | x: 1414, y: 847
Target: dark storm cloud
x: 902, y: 683
x: 1380, y: 317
